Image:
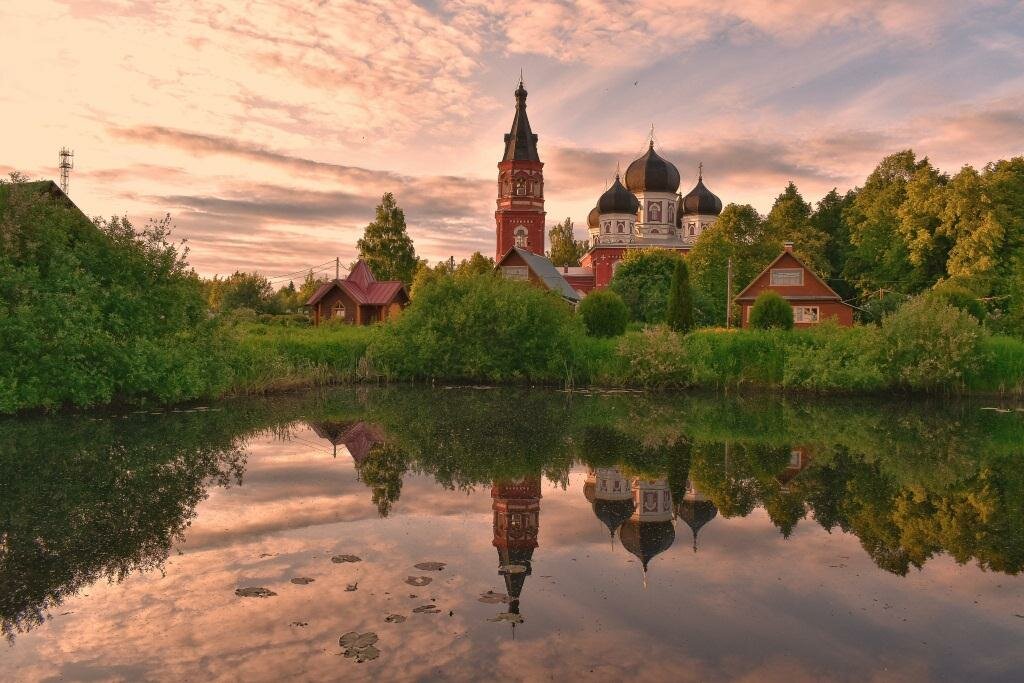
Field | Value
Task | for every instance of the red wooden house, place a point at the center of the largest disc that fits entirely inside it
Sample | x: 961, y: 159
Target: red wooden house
x: 812, y: 300
x: 358, y: 299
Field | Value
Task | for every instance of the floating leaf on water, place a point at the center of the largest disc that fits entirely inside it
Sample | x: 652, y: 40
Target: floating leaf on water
x: 254, y: 592
x: 352, y: 586
x: 394, y: 618
x: 338, y: 559
x: 418, y: 580
x: 426, y: 609
x: 367, y: 654
x: 300, y: 624
x: 510, y: 617
x: 365, y: 640
x: 348, y: 639
x: 303, y: 580
x: 430, y: 566
x: 492, y: 598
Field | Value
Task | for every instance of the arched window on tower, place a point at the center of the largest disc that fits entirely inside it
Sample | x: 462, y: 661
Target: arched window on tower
x: 520, y: 187
x: 520, y: 236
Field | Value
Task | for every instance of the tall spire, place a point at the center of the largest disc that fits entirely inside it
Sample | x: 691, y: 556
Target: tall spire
x: 520, y: 142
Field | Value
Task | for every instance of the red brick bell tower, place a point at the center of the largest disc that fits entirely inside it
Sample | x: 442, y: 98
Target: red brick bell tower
x: 520, y: 214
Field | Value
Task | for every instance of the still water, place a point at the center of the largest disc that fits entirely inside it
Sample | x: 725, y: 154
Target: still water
x: 598, y: 537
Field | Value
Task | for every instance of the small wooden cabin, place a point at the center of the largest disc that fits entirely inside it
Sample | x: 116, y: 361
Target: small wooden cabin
x: 812, y: 300
x: 522, y: 264
x: 358, y: 299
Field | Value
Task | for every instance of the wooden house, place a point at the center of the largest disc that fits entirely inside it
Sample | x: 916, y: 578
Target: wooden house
x: 812, y: 300
x: 521, y: 264
x: 358, y: 299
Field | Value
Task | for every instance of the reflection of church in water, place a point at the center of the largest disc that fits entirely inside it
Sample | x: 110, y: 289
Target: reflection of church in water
x: 642, y: 512
x: 516, y: 507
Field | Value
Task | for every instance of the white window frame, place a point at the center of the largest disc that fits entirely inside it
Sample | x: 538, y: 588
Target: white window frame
x: 515, y: 272
x: 786, y: 273
x: 801, y: 313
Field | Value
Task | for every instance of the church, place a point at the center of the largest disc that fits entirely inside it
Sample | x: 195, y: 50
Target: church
x: 642, y: 209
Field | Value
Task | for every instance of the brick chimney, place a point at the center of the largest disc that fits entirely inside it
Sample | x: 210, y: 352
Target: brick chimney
x: 788, y: 246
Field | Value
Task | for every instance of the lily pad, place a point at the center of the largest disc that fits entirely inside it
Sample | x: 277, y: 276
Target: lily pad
x: 394, y: 618
x: 365, y: 640
x: 303, y: 580
x: 339, y: 559
x: 348, y: 639
x: 300, y: 624
x: 254, y: 592
x: 359, y: 646
x: 426, y: 609
x: 492, y: 598
x: 367, y: 654
x: 418, y: 580
x: 510, y: 617
x: 351, y: 587
x: 430, y: 566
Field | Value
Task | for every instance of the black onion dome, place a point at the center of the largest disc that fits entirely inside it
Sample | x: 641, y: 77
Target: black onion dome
x: 617, y: 199
x: 645, y: 540
x: 613, y: 512
x: 696, y: 513
x: 651, y: 173
x: 701, y: 201
x: 594, y: 219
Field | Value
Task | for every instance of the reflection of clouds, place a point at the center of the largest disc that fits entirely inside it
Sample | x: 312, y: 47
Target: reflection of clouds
x: 749, y: 606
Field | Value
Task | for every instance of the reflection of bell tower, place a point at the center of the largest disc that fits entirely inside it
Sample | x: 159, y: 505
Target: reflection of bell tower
x: 516, y: 506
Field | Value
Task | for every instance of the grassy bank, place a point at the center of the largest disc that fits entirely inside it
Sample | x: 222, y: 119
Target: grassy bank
x: 273, y: 358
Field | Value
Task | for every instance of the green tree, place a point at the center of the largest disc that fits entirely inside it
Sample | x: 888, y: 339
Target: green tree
x: 738, y: 234
x: 476, y: 264
x: 244, y: 290
x: 643, y: 279
x: 680, y: 300
x: 386, y: 246
x: 565, y: 249
x: 309, y: 286
x: 770, y: 311
x: 604, y: 313
x: 828, y: 219
x: 790, y: 221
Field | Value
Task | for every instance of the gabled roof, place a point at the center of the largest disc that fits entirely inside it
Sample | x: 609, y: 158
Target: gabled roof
x: 786, y: 252
x: 362, y: 287
x: 545, y: 270
x: 50, y: 188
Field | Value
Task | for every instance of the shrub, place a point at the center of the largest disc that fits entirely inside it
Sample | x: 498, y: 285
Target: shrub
x: 604, y: 313
x: 960, y: 297
x: 654, y: 357
x: 680, y: 300
x: 479, y: 328
x: 834, y: 358
x: 770, y: 310
x: 643, y: 278
x: 928, y: 344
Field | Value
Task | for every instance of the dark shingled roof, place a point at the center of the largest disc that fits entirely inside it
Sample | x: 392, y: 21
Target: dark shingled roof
x: 651, y: 173
x: 362, y: 287
x: 617, y: 199
x: 521, y: 143
x: 701, y: 201
x: 546, y: 271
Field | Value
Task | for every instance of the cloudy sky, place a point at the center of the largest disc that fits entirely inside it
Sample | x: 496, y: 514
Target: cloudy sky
x: 269, y: 130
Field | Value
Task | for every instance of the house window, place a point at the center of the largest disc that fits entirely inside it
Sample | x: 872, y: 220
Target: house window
x: 795, y: 458
x: 520, y: 235
x: 338, y: 310
x: 806, y: 314
x: 787, y: 277
x: 515, y: 272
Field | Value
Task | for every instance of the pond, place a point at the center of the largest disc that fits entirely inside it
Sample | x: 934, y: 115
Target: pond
x: 446, y: 533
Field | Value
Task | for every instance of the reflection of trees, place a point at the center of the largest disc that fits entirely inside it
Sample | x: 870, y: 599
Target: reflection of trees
x: 84, y: 500
x: 382, y: 471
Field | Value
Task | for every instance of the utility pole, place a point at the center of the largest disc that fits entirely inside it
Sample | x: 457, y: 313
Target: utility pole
x: 728, y: 295
x: 66, y: 164
x: 451, y: 263
x: 337, y: 267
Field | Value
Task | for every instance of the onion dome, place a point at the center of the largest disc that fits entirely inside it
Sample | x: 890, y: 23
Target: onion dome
x: 651, y: 173
x: 588, y: 491
x: 645, y: 540
x: 613, y: 512
x: 617, y: 199
x: 696, y: 513
x: 594, y: 219
x: 701, y: 200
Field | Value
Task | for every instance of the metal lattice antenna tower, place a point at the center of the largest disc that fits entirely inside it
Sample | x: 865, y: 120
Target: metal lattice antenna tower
x: 66, y: 164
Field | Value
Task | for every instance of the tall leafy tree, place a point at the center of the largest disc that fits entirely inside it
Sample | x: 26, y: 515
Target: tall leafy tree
x: 476, y: 264
x: 680, y: 300
x: 790, y: 221
x: 386, y: 246
x: 920, y: 226
x: 828, y: 219
x: 739, y: 234
x: 643, y: 279
x: 565, y: 249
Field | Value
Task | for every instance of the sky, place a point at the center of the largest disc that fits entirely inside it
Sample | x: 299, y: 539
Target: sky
x: 269, y: 130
